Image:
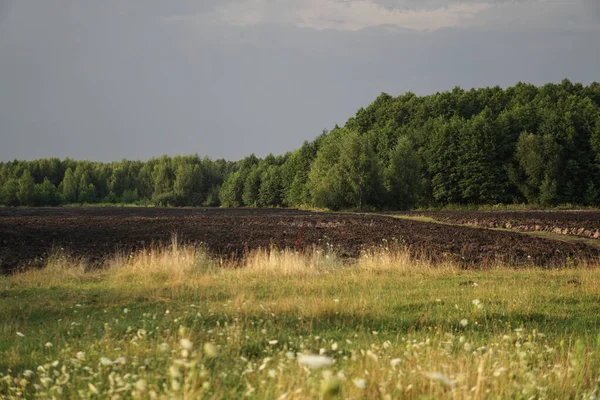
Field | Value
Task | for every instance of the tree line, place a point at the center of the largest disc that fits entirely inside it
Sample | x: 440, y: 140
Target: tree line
x: 522, y: 144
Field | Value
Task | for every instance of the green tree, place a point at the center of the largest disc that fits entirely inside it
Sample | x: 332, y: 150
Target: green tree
x: 324, y: 183
x: 230, y: 194
x: 130, y: 196
x: 538, y: 164
x: 188, y: 184
x: 10, y: 193
x: 346, y: 173
x: 87, y: 190
x: 87, y: 194
x: 70, y: 186
x: 252, y: 185
x: 294, y: 175
x: 212, y: 197
x: 145, y: 181
x: 403, y: 179
x: 47, y: 193
x: 442, y: 156
x: 483, y: 159
x: 360, y: 170
x: 271, y: 187
x: 27, y: 193
x: 162, y: 177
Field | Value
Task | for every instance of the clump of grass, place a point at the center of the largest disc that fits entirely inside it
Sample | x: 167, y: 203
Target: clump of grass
x: 58, y: 270
x: 399, y: 260
x: 174, y: 264
x: 290, y: 262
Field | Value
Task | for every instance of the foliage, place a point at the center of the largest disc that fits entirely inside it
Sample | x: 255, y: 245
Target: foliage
x: 27, y: 195
x: 522, y: 144
x: 403, y: 179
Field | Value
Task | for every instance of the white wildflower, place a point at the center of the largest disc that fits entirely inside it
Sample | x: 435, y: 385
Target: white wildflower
x: 327, y: 374
x: 464, y: 322
x: 210, y: 350
x: 312, y: 361
x: 443, y: 379
x: 141, y: 385
x: 273, y: 342
x: 174, y: 372
x: 45, y: 381
x: 93, y: 388
x: 48, y: 345
x: 63, y: 379
x: 372, y: 356
x: 20, y: 334
x: 106, y: 361
x: 360, y: 383
x: 186, y: 344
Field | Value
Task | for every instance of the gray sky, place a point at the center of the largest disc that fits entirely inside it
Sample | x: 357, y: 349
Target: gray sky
x: 110, y: 79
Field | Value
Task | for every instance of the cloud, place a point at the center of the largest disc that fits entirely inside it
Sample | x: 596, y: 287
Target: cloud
x: 419, y: 15
x: 545, y: 15
x: 341, y: 15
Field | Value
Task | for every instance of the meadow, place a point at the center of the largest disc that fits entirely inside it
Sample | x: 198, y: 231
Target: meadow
x: 174, y: 322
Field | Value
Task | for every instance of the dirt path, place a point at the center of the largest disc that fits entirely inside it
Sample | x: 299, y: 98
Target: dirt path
x: 540, y: 234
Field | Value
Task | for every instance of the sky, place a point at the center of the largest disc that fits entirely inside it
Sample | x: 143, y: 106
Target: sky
x: 112, y: 79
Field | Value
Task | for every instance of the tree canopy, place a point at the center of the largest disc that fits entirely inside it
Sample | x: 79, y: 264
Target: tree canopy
x: 522, y: 144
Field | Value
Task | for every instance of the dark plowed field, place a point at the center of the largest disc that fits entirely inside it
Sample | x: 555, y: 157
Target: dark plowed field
x: 574, y: 223
x: 27, y: 236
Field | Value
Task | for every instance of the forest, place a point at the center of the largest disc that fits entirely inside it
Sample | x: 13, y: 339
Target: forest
x: 523, y: 144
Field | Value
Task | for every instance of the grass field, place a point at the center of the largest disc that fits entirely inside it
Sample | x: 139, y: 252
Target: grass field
x: 173, y: 323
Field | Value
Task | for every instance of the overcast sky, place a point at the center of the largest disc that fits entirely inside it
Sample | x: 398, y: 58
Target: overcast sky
x: 111, y: 79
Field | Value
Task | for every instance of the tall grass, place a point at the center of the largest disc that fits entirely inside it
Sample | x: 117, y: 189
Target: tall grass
x: 172, y: 322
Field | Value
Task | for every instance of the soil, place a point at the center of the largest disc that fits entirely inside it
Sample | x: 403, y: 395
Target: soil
x: 29, y: 235
x: 573, y: 223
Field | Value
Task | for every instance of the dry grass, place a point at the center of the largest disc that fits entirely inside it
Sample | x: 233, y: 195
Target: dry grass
x: 173, y: 323
x: 59, y: 270
x: 400, y: 261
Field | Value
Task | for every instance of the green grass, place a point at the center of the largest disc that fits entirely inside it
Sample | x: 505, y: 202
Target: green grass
x: 175, y: 323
